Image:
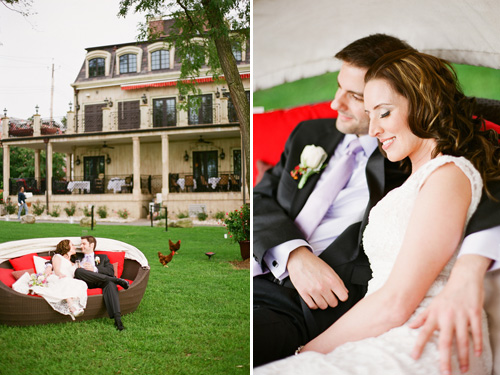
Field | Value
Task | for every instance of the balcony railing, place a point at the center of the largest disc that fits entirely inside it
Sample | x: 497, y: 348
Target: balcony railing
x: 189, y: 183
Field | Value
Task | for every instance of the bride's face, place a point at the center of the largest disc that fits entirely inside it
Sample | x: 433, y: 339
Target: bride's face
x: 72, y: 249
x: 388, y: 112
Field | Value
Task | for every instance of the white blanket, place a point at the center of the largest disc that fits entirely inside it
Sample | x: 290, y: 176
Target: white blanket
x: 13, y: 249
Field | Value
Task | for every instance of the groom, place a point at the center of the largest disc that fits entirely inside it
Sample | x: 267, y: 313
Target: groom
x: 98, y: 272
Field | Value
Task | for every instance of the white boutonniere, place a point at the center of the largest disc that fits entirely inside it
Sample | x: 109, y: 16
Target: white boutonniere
x: 97, y: 260
x: 311, y: 161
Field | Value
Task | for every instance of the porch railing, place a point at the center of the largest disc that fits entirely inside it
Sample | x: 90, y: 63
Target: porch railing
x: 192, y: 183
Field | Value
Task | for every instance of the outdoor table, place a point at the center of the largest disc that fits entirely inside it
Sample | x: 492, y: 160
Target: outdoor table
x: 213, y: 181
x: 116, y: 184
x: 72, y: 185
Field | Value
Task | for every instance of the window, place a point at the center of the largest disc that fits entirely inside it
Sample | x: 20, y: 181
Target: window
x: 128, y: 63
x: 160, y: 60
x: 164, y: 112
x: 236, y: 48
x: 93, y: 118
x: 204, y: 164
x: 231, y: 111
x: 237, y: 162
x: 200, y: 109
x: 129, y: 115
x: 96, y: 67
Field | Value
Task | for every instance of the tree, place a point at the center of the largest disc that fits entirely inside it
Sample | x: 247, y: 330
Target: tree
x: 205, y: 32
x: 22, y: 7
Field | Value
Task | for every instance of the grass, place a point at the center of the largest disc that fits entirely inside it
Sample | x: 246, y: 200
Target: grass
x: 194, y: 317
x: 476, y: 81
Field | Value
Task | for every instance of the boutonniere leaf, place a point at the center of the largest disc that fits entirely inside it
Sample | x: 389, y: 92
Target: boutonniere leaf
x: 97, y: 260
x: 311, y: 161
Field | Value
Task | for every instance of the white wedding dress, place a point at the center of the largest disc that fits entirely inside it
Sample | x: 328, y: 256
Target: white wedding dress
x: 59, y: 289
x: 389, y: 353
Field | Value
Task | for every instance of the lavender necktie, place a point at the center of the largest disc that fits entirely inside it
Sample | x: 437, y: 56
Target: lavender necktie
x: 323, y: 195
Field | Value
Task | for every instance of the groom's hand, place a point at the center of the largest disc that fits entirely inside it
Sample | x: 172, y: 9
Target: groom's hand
x: 315, y: 281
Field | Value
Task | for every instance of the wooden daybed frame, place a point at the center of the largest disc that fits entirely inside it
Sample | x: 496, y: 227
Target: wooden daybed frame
x: 18, y: 309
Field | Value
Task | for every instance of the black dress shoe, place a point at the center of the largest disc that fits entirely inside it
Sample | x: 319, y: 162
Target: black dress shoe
x: 123, y: 283
x: 119, y: 325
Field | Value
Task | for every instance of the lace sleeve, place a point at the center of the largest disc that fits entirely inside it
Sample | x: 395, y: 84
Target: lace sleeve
x: 476, y: 182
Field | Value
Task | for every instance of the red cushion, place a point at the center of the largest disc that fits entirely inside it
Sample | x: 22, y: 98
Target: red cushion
x: 271, y: 130
x: 491, y: 125
x: 115, y: 257
x: 96, y: 291
x: 6, y: 277
x: 23, y: 263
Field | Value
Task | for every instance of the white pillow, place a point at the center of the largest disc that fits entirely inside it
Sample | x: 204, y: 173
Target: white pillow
x: 21, y: 285
x: 39, y: 264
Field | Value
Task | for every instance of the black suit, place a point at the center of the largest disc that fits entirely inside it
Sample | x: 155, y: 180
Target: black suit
x: 104, y: 278
x: 282, y: 320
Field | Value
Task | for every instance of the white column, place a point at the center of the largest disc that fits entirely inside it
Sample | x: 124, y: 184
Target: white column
x: 37, y: 124
x: 136, y: 151
x: 49, y: 170
x: 164, y: 165
x: 106, y: 119
x: 37, y: 169
x: 5, y: 128
x: 6, y: 170
x: 70, y: 122
x: 68, y: 166
x: 224, y: 110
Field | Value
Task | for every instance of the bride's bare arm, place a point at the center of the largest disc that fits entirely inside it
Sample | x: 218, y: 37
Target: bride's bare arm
x: 434, y: 233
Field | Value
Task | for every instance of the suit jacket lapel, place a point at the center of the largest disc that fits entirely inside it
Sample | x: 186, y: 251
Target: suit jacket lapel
x: 329, y: 142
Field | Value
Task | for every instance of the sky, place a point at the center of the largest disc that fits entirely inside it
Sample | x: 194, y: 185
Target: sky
x: 57, y: 34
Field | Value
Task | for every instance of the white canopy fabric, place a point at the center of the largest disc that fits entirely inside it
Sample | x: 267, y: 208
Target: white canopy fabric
x: 13, y: 249
x: 294, y: 39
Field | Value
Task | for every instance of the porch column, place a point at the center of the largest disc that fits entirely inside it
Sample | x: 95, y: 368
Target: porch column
x: 68, y: 166
x: 144, y: 116
x: 37, y: 169
x: 48, y: 182
x: 224, y: 109
x: 136, y: 151
x: 6, y: 169
x: 164, y: 166
x: 37, y: 125
x: 5, y: 127
x: 70, y: 122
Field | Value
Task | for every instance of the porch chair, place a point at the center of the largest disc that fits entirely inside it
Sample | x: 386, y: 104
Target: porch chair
x: 235, y: 182
x: 99, y: 184
x: 223, y: 183
x: 189, y: 182
x: 204, y: 183
x: 127, y: 188
x: 173, y: 185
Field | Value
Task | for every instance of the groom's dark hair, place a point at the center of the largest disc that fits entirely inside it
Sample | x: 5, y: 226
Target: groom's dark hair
x: 363, y: 52
x: 91, y: 240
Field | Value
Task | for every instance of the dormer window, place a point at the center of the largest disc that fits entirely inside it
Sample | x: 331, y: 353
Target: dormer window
x: 160, y: 60
x: 128, y: 63
x: 96, y: 67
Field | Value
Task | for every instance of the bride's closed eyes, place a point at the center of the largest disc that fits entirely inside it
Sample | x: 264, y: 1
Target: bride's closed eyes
x: 385, y: 114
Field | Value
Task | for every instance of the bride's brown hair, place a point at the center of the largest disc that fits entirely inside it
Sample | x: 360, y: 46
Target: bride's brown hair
x: 63, y: 247
x: 438, y: 109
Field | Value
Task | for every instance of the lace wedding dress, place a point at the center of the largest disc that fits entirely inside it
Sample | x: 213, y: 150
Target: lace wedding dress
x: 389, y: 353
x: 59, y: 289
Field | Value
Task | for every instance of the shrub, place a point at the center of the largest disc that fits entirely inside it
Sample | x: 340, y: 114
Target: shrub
x: 238, y: 224
x: 56, y: 212
x: 123, y: 213
x: 182, y: 215
x: 70, y: 211
x: 102, y: 211
x: 10, y: 207
x: 202, y: 216
x: 86, y: 211
x: 38, y: 208
x: 220, y: 215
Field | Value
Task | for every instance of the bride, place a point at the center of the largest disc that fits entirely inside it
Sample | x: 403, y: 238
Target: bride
x: 63, y: 292
x: 419, y: 114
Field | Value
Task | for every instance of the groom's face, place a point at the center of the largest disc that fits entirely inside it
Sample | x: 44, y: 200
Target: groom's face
x: 86, y: 247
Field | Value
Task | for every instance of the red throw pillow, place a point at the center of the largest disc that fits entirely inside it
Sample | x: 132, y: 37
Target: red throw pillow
x: 115, y: 257
x: 6, y: 277
x: 23, y: 263
x: 18, y: 274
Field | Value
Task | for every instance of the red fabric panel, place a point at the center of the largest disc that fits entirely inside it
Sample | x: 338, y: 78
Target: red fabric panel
x: 271, y: 130
x: 115, y: 257
x: 6, y: 277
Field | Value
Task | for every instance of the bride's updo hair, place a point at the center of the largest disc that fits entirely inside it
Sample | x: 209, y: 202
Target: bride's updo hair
x: 63, y: 247
x: 438, y: 109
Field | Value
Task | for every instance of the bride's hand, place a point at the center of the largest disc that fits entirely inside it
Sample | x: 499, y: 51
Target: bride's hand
x: 315, y: 281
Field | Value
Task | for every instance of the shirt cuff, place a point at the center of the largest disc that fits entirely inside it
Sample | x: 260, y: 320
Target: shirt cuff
x: 485, y: 243
x: 276, y: 258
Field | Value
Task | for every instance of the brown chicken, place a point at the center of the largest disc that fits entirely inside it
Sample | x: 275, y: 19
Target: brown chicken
x: 165, y: 259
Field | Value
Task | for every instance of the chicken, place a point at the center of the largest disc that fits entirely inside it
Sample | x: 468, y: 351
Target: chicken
x: 164, y: 259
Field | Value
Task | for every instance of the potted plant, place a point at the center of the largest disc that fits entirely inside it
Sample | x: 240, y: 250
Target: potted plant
x: 70, y: 211
x: 237, y: 223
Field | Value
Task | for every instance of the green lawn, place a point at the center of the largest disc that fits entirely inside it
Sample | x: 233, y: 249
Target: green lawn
x: 194, y: 317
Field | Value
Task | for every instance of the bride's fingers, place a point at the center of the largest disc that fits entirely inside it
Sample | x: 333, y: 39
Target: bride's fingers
x: 423, y: 336
x: 419, y: 320
x: 444, y: 346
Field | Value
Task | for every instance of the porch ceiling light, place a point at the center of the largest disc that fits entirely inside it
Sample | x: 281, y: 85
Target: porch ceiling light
x: 186, y: 156
x: 222, y: 155
x: 77, y: 161
x: 217, y: 93
x: 108, y: 160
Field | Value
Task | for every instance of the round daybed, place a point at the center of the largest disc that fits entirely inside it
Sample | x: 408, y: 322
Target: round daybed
x: 21, y: 309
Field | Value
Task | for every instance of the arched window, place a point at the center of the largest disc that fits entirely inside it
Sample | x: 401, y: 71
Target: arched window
x: 128, y: 63
x: 160, y: 60
x: 96, y: 67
